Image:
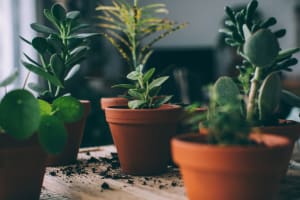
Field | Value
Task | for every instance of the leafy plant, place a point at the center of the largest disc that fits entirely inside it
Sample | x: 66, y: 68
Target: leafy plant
x: 225, y: 123
x: 23, y: 115
x: 61, y: 48
x: 133, y: 30
x: 263, y: 60
x: 144, y: 91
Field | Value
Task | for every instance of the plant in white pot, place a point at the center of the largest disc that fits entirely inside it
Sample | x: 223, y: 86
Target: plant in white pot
x: 230, y: 162
x: 24, y: 128
x: 60, y: 49
x: 133, y: 30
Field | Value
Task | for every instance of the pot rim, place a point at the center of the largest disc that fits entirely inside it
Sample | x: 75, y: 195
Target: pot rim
x: 162, y: 107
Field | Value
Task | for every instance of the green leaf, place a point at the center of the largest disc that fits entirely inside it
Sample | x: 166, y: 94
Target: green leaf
x: 135, y: 93
x: 58, y: 12
x: 148, y: 74
x: 73, y: 15
x: 45, y: 107
x: 51, y: 18
x: 36, y: 87
x: 57, y: 65
x: 79, y: 27
x: 52, y: 134
x: 10, y: 79
x: 127, y: 86
x: 290, y: 98
x: 39, y: 71
x: 25, y: 40
x: 286, y: 53
x: 158, y: 82
x: 31, y: 60
x: 72, y: 72
x: 67, y: 108
x: 20, y: 114
x: 42, y: 28
x: 134, y: 104
x: 82, y: 35
x: 77, y: 56
x: 162, y: 100
x: 56, y: 43
x: 154, y: 91
x: 40, y: 44
x: 134, y: 75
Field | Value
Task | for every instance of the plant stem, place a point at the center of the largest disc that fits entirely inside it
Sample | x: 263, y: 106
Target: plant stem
x: 251, y: 106
x: 26, y: 79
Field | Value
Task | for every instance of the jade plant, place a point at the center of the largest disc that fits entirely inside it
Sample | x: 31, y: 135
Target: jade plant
x: 263, y: 60
x: 133, y: 30
x: 22, y: 117
x: 60, y: 49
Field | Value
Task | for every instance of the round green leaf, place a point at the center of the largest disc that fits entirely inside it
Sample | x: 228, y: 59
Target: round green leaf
x: 40, y: 44
x: 52, y: 134
x: 20, y: 114
x: 58, y: 12
x: 262, y: 48
x: 45, y: 107
x: 68, y: 108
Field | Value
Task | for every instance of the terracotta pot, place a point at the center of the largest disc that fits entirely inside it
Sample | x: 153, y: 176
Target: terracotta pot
x: 230, y: 173
x: 142, y: 137
x: 75, y: 133
x: 22, y: 168
x: 113, y: 101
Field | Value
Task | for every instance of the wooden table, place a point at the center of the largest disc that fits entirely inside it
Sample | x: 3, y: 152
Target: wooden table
x: 97, y: 176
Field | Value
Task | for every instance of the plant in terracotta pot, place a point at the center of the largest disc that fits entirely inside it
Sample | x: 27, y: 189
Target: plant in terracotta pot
x: 60, y: 49
x: 24, y: 128
x: 230, y: 159
x: 133, y: 30
x: 147, y: 122
x: 259, y: 79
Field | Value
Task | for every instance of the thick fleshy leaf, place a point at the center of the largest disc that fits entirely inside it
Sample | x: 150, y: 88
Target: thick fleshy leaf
x: 52, y: 134
x: 158, y: 82
x: 72, y: 72
x: 57, y: 65
x: 52, y: 79
x: 67, y: 108
x: 19, y: 114
x: 134, y: 75
x: 162, y: 100
x: 10, y: 79
x: 45, y: 107
x: 42, y: 28
x: 148, y: 74
x: 73, y: 15
x: 134, y: 104
x: 40, y: 44
x: 135, y: 93
x: 83, y: 35
x: 58, y: 12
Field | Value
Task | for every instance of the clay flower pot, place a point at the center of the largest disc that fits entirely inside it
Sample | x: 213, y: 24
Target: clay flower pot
x: 142, y: 137
x: 112, y: 101
x: 231, y: 173
x: 22, y: 168
x: 75, y: 132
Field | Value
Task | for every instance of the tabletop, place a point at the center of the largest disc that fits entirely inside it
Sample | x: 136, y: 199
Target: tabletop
x: 97, y: 175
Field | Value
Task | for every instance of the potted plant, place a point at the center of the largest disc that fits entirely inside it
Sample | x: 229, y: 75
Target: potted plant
x: 230, y: 162
x: 133, y: 30
x: 61, y: 48
x: 24, y: 128
x: 259, y: 76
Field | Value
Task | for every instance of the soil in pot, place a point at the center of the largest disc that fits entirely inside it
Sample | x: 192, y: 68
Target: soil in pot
x: 22, y: 168
x: 231, y: 173
x: 112, y: 101
x: 142, y: 137
x: 75, y: 133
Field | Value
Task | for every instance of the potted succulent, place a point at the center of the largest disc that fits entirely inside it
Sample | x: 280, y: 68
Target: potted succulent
x: 133, y: 30
x: 61, y: 48
x: 24, y: 128
x: 230, y: 158
x: 259, y: 76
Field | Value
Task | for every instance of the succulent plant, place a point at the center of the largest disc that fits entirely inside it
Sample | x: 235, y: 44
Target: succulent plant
x: 263, y: 60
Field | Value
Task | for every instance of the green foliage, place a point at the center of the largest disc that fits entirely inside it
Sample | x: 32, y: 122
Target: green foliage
x: 143, y: 92
x: 263, y: 59
x: 225, y: 123
x: 20, y: 114
x: 60, y: 47
x: 133, y: 30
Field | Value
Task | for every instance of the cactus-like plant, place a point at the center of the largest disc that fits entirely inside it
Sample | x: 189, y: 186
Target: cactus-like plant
x: 263, y: 59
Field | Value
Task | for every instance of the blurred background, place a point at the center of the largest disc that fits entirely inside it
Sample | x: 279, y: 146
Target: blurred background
x: 193, y: 57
